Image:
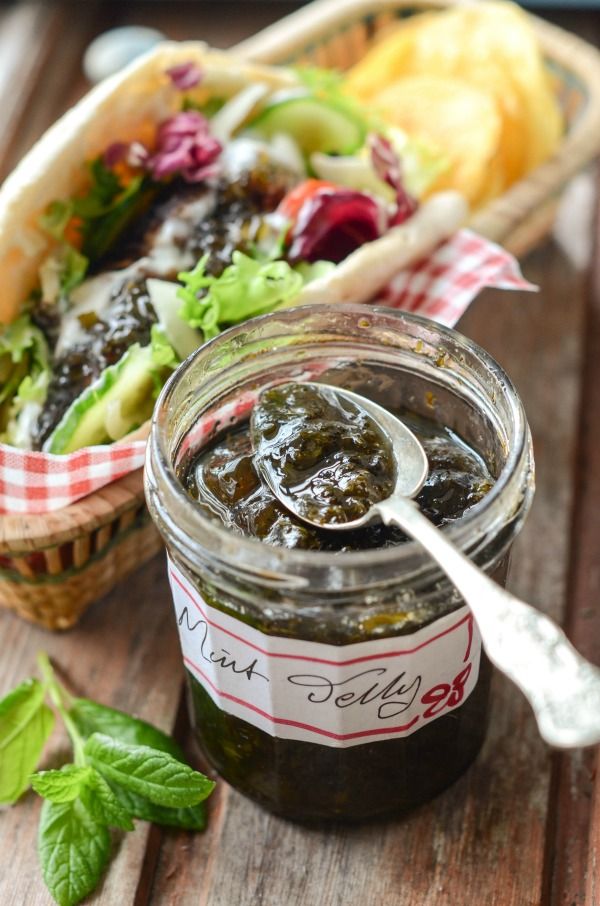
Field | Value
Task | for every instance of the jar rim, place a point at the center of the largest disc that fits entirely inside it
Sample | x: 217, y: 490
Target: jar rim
x: 254, y: 555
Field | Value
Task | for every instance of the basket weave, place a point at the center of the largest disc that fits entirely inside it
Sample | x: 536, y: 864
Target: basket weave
x: 337, y: 33
x: 52, y: 567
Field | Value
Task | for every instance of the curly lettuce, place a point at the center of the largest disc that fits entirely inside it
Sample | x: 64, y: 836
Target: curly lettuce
x: 24, y: 379
x: 246, y: 288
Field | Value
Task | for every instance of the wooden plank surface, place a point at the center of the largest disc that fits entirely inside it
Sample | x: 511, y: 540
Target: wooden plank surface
x: 522, y: 827
x: 576, y: 802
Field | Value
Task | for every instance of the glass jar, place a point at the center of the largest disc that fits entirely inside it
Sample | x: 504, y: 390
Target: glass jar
x: 336, y: 685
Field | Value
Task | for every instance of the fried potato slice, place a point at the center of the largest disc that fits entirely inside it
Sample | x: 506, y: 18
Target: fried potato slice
x: 461, y: 120
x: 493, y: 48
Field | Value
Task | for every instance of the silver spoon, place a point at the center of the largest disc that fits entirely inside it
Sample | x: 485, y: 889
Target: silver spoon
x: 561, y: 686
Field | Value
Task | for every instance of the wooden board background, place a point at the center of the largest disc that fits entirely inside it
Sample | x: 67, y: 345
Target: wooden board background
x: 522, y: 827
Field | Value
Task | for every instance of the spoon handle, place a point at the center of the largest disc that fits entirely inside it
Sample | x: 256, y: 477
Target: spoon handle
x: 561, y: 686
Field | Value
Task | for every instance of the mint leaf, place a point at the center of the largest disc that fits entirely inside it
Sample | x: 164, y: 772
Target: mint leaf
x: 18, y: 707
x: 103, y: 805
x: 63, y: 785
x: 25, y: 725
x: 91, y: 717
x: 147, y: 772
x: 23, y: 351
x: 191, y: 818
x: 74, y: 849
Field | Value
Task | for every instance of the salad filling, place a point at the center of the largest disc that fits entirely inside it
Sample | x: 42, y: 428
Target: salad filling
x: 222, y: 216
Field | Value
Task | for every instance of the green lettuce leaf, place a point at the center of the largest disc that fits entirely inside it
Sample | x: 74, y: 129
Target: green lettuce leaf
x: 163, y: 353
x: 313, y: 270
x: 103, y: 212
x: 24, y: 379
x: 117, y: 403
x: 246, y: 288
x: 422, y: 161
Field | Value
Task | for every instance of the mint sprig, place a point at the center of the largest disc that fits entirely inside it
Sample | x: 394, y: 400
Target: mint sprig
x: 123, y: 768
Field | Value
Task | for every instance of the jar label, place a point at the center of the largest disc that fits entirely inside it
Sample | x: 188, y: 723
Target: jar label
x: 335, y: 695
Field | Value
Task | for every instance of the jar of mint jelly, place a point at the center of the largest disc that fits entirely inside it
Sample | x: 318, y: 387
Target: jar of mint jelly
x: 335, y: 684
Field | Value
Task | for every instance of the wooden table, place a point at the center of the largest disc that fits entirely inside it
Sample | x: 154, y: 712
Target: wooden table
x: 522, y: 827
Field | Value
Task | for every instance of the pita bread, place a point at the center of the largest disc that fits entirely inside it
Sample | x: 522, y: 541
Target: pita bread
x: 125, y: 107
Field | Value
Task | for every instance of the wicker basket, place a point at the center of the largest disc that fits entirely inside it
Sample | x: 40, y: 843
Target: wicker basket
x: 337, y: 33
x: 52, y: 567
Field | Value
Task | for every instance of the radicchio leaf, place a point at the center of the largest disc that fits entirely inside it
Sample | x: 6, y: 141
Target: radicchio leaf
x: 332, y: 223
x: 185, y: 75
x: 388, y: 168
x: 133, y: 153
x: 184, y: 145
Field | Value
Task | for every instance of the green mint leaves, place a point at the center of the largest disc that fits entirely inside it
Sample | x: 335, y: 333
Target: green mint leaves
x: 147, y: 772
x: 74, y: 850
x: 123, y: 768
x: 61, y: 786
x: 91, y: 717
x: 26, y: 722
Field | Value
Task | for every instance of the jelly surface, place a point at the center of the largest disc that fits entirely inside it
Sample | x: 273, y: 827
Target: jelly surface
x: 326, y: 456
x: 340, y: 459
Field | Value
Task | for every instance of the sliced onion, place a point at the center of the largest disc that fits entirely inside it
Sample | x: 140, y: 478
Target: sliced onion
x: 236, y: 111
x: 352, y: 171
x: 183, y: 338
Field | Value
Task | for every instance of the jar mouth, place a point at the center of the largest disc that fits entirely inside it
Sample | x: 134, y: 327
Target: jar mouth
x: 185, y: 521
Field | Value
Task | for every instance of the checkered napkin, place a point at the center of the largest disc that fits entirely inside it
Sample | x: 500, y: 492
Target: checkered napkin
x: 440, y: 287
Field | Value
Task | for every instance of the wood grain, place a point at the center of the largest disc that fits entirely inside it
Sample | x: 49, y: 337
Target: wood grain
x: 126, y: 653
x: 511, y: 832
x: 575, y: 808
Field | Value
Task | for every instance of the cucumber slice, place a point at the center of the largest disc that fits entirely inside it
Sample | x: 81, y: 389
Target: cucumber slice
x: 315, y: 124
x: 166, y: 303
x: 117, y: 403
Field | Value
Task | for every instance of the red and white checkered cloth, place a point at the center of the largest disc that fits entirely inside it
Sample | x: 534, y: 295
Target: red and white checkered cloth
x: 440, y: 287
x: 443, y: 285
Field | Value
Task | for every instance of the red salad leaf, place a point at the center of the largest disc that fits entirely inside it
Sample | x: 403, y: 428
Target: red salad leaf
x: 133, y: 153
x: 331, y: 223
x: 388, y: 167
x: 184, y: 145
x: 185, y: 75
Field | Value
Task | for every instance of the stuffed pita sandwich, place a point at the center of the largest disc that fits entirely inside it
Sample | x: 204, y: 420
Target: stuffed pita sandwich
x: 186, y: 194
